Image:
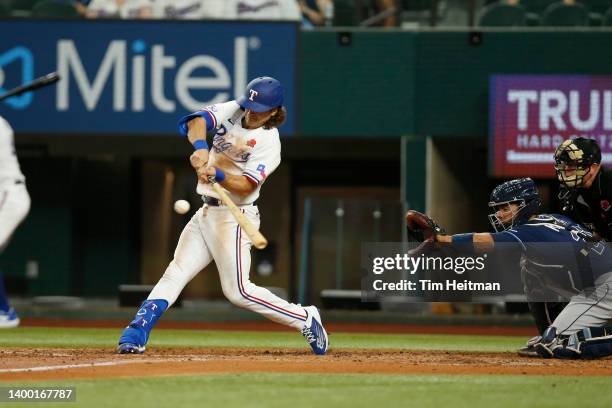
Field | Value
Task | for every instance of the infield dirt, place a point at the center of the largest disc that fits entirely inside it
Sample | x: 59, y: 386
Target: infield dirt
x: 40, y: 364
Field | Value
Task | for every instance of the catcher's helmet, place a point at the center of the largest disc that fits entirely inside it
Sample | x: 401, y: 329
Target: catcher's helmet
x: 575, y: 156
x: 262, y: 94
x: 520, y: 191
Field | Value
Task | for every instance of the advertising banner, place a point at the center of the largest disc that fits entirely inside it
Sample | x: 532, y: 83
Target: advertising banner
x: 530, y: 115
x: 137, y: 77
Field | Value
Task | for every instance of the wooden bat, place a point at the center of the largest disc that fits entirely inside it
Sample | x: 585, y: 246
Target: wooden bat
x: 258, y: 240
x: 35, y: 84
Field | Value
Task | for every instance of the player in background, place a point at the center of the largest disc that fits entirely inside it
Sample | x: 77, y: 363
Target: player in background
x: 586, y: 197
x: 586, y: 186
x: 245, y: 151
x: 581, y: 330
x: 14, y: 206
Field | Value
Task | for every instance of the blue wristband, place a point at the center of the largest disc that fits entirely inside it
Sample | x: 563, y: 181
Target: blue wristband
x: 219, y: 175
x: 463, y: 238
x: 200, y: 144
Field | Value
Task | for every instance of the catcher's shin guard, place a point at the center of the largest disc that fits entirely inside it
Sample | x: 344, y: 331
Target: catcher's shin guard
x: 595, y: 342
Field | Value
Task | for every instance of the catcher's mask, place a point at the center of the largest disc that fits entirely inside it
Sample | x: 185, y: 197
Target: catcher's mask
x: 573, y: 160
x: 522, y: 192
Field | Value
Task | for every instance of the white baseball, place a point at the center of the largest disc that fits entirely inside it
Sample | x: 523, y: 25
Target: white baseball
x: 181, y: 206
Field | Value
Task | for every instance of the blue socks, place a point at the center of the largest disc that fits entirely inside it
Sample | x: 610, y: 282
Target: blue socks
x: 4, y: 306
x: 139, y: 329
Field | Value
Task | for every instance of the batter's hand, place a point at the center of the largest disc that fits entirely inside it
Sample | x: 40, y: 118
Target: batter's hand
x: 205, y: 172
x: 199, y: 159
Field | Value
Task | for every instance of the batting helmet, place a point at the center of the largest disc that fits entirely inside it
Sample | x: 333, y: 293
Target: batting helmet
x: 573, y: 159
x: 262, y: 94
x: 520, y: 191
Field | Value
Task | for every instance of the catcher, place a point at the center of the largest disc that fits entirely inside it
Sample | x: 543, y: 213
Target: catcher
x: 582, y: 329
x: 585, y: 196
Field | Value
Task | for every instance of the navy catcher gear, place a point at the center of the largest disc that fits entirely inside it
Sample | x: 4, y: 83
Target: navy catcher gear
x: 573, y: 160
x: 520, y: 191
x: 262, y: 95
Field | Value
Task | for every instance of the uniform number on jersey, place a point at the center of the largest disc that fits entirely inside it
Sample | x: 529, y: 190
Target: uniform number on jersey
x: 578, y: 234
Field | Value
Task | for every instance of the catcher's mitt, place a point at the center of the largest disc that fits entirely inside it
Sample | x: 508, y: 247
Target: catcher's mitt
x: 421, y: 228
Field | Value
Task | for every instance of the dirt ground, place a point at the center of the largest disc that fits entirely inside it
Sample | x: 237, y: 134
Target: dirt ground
x: 39, y: 364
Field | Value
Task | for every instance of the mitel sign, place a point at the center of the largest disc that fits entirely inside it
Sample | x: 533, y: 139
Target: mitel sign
x: 137, y: 77
x: 530, y: 115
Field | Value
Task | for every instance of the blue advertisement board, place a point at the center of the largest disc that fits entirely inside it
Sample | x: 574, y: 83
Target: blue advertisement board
x: 137, y: 77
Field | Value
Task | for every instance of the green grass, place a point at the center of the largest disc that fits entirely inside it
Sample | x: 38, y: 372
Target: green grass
x: 355, y: 390
x: 308, y: 390
x: 75, y: 337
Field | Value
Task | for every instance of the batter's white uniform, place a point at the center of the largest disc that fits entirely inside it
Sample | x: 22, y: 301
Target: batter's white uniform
x: 14, y: 197
x: 215, y: 235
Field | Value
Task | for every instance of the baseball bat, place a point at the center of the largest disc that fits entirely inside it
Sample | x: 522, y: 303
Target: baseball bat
x: 257, y: 238
x: 35, y: 84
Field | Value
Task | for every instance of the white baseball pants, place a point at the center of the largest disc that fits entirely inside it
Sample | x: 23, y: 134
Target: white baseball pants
x: 217, y: 236
x: 14, y: 206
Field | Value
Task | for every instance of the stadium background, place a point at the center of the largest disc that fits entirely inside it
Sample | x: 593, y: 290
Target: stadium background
x: 393, y: 116
x: 418, y: 115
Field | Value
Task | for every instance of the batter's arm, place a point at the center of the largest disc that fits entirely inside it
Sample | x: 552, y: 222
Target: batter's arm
x: 197, y: 136
x: 236, y: 184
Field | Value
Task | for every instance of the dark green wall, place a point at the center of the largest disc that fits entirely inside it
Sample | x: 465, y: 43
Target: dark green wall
x: 364, y: 89
x: 390, y: 83
x: 45, y: 236
x: 453, y: 75
x: 80, y: 228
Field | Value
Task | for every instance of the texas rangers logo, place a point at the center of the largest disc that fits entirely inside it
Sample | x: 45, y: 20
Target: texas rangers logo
x: 253, y: 94
x: 605, y: 205
x: 262, y: 170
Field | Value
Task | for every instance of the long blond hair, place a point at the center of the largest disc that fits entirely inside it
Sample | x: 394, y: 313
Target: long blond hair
x: 277, y: 119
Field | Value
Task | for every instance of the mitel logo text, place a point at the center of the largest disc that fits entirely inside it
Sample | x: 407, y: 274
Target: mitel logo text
x: 149, y: 63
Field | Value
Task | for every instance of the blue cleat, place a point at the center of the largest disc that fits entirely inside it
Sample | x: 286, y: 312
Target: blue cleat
x: 9, y: 319
x: 135, y: 336
x: 132, y: 341
x: 129, y: 348
x: 314, y: 332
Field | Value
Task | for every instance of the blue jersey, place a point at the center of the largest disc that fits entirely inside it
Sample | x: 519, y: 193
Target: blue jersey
x: 557, y: 246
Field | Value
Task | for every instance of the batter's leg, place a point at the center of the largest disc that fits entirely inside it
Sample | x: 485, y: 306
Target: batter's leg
x: 190, y: 257
x: 232, y: 253
x: 14, y: 207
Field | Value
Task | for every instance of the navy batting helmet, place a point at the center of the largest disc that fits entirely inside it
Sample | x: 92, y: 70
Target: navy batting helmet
x: 519, y: 191
x: 262, y: 94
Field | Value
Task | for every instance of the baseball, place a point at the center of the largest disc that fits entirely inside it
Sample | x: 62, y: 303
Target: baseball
x: 181, y: 206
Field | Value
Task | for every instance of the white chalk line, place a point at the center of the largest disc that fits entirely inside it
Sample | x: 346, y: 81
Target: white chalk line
x: 86, y: 365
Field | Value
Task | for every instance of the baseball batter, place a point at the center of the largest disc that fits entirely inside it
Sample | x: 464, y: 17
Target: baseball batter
x: 245, y: 151
x: 14, y: 206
